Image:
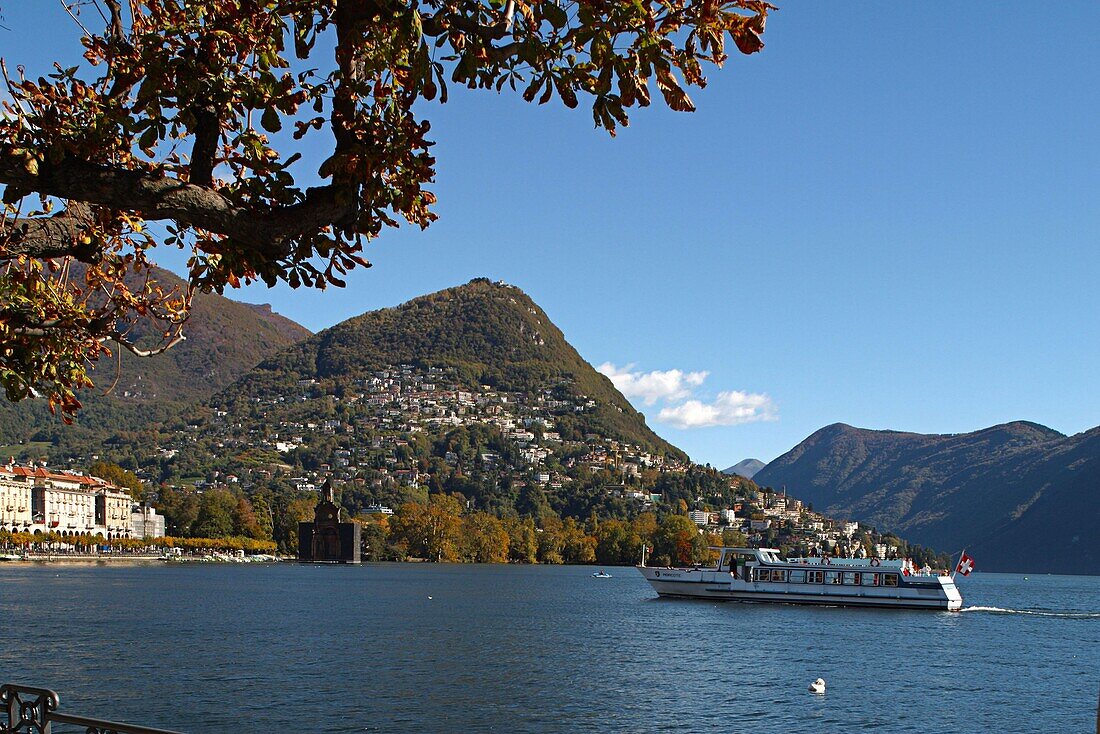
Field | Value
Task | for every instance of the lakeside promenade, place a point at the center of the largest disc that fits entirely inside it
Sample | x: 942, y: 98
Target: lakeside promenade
x: 136, y: 558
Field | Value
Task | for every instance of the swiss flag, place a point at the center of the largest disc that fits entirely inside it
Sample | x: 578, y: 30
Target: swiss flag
x: 966, y: 565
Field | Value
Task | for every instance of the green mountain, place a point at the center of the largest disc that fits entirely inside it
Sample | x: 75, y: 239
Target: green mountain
x: 225, y: 338
x: 489, y: 334
x: 1019, y: 496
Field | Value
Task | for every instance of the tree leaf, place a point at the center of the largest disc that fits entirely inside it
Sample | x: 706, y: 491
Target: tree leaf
x: 271, y: 121
x: 555, y: 15
x: 568, y: 96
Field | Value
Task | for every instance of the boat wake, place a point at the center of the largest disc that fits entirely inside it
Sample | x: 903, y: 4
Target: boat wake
x: 1034, y: 612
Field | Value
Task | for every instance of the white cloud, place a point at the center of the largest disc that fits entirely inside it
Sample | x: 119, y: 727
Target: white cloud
x: 676, y: 388
x: 649, y: 387
x: 730, y: 408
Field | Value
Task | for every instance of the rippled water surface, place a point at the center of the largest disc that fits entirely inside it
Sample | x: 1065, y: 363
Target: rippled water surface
x: 427, y: 648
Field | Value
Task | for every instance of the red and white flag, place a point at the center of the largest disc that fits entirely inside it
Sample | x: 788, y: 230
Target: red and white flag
x: 966, y: 564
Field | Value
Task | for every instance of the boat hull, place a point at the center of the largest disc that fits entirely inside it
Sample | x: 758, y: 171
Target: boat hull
x: 934, y: 593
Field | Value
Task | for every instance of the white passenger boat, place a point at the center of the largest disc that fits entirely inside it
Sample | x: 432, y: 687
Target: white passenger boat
x: 760, y: 575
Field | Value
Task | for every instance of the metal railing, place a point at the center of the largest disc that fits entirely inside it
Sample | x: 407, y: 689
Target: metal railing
x: 30, y: 710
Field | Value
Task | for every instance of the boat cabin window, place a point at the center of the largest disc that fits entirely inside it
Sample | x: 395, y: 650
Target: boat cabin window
x: 815, y: 577
x: 870, y: 579
x: 778, y: 575
x: 889, y: 579
x: 798, y: 577
x: 832, y: 577
x: 851, y: 578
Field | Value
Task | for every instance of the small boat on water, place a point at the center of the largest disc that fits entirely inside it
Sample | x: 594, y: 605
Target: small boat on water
x: 760, y: 575
x: 601, y: 575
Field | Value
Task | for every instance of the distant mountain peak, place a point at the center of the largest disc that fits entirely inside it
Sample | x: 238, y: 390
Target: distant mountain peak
x: 746, y: 468
x: 1026, y: 428
x: 488, y: 332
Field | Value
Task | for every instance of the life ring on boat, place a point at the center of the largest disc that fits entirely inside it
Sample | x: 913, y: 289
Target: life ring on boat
x: 875, y: 561
x: 825, y: 561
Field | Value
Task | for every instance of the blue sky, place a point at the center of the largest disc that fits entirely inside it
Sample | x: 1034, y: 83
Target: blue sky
x: 887, y: 218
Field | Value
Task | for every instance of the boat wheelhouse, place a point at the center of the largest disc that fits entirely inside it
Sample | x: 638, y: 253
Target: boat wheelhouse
x: 761, y: 575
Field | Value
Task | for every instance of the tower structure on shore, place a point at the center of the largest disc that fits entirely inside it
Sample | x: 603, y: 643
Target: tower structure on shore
x: 326, y: 539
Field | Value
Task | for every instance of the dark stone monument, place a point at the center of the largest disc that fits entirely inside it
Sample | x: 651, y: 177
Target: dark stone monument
x: 326, y: 539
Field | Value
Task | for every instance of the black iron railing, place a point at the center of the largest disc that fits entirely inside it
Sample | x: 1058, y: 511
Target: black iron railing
x: 30, y: 710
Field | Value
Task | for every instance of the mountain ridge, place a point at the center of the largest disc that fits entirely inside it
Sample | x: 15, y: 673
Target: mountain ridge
x: 994, y: 489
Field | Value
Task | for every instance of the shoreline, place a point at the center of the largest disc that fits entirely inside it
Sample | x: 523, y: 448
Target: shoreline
x: 149, y: 559
x: 136, y: 558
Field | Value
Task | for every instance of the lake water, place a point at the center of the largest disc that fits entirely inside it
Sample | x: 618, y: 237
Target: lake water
x: 450, y: 648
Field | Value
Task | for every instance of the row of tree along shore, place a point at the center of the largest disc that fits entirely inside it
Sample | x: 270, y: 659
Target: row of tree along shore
x: 450, y: 526
x: 57, y: 544
x: 437, y: 531
x: 441, y: 530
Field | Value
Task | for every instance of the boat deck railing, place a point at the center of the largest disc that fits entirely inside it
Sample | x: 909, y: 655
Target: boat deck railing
x: 862, y: 564
x: 31, y: 710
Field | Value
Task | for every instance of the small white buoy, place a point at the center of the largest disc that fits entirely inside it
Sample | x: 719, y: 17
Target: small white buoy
x: 818, y: 686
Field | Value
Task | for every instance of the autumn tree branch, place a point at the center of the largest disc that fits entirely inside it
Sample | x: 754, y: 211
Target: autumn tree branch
x: 110, y: 140
x: 122, y: 341
x: 114, y: 28
x: 52, y: 237
x: 155, y: 197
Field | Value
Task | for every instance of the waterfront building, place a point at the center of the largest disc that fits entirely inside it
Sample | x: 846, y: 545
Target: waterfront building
x: 63, y: 503
x: 15, y: 504
x: 64, y: 507
x: 112, y: 512
x: 146, y: 523
x: 326, y: 539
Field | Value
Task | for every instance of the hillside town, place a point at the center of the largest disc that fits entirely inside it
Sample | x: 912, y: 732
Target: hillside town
x: 400, y: 434
x: 379, y: 415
